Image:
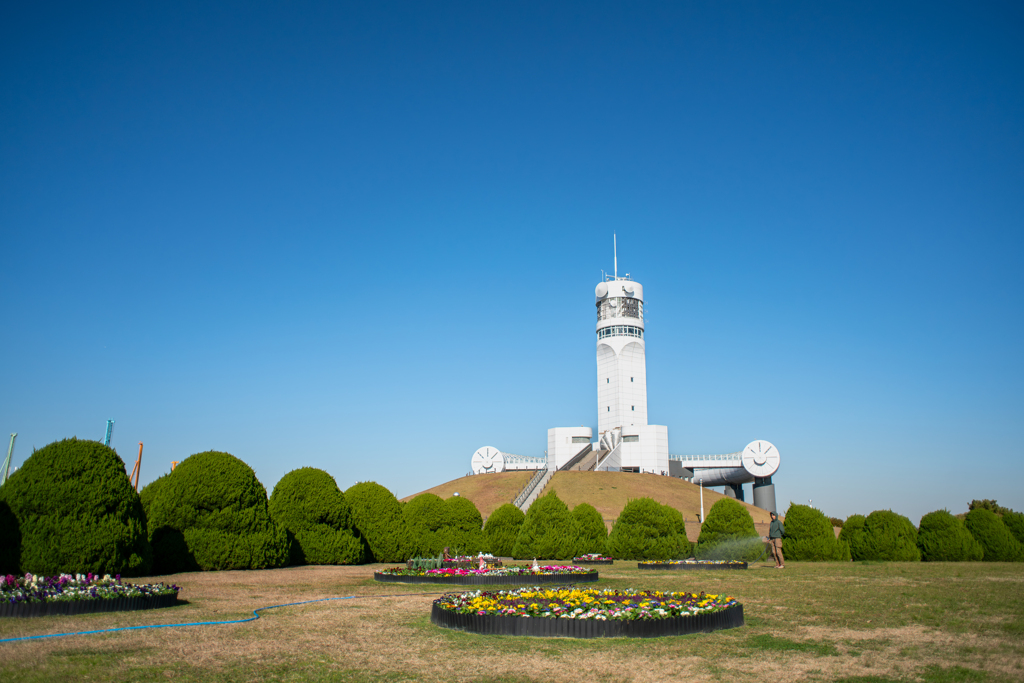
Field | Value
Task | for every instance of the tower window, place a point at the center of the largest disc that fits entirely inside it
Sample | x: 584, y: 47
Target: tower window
x: 607, y: 380
x: 609, y: 409
x: 632, y: 407
x: 630, y: 379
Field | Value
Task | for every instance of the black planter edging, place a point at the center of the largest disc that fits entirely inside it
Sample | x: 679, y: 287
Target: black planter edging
x: 552, y: 627
x: 507, y: 580
x: 70, y: 607
x: 667, y: 566
x: 583, y: 562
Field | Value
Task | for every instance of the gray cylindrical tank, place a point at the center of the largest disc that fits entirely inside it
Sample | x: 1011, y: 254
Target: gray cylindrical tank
x: 764, y: 494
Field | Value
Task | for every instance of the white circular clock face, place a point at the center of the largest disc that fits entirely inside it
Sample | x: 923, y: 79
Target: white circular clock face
x: 761, y: 458
x: 488, y: 459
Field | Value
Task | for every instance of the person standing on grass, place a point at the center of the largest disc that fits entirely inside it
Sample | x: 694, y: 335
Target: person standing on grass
x: 775, y: 533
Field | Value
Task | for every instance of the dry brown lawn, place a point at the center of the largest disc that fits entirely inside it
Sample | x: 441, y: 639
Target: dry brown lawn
x: 850, y: 621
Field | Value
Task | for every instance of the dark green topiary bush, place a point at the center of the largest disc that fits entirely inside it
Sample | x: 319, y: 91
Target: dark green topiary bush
x: 810, y: 537
x: 73, y: 510
x: 647, y: 530
x: 502, y: 529
x: 425, y: 518
x: 685, y: 547
x: 463, y: 526
x: 309, y: 505
x: 944, y: 538
x: 853, y: 527
x: 546, y: 532
x: 211, y: 513
x: 588, y: 529
x: 886, y: 536
x: 149, y: 491
x: 728, y: 534
x: 997, y: 541
x: 377, y: 515
x: 1014, y: 521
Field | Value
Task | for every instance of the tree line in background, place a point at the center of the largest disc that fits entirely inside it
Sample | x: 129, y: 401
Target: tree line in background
x: 71, y: 508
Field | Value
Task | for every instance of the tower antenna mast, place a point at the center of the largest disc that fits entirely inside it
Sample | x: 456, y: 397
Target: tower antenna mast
x: 615, y: 251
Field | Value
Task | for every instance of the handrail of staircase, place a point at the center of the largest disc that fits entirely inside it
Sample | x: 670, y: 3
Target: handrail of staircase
x: 530, y: 486
x: 576, y: 459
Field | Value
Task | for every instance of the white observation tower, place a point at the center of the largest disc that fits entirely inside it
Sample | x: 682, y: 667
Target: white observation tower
x: 632, y: 444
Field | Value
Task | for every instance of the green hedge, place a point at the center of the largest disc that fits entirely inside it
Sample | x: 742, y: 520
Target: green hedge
x: 377, y: 516
x: 852, y: 528
x: 728, y: 533
x: 1014, y: 521
x: 309, y: 505
x: 463, y: 526
x: 886, y: 536
x: 648, y: 530
x: 149, y: 491
x: 810, y: 537
x: 589, y: 532
x: 70, y: 508
x: 211, y: 513
x: 502, y: 529
x: 942, y: 537
x: 546, y: 532
x: 995, y: 538
x: 425, y: 518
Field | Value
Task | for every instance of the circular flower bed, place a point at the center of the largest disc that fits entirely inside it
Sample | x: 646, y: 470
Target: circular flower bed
x: 497, y: 576
x: 593, y: 558
x: 691, y: 564
x: 585, y: 612
x: 29, y: 595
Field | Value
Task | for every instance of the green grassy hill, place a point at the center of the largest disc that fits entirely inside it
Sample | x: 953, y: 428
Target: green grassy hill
x: 607, y: 491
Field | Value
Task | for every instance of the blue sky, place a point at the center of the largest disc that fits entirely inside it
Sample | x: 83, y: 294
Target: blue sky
x: 365, y: 237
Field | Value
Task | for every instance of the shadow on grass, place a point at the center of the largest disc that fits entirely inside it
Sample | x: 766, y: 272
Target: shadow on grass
x: 772, y: 643
x: 931, y: 674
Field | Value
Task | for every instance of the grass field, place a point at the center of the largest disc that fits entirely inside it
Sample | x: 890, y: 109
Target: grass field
x: 864, y: 622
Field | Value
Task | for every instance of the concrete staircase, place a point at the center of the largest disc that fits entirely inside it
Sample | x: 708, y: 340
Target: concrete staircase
x: 535, y: 492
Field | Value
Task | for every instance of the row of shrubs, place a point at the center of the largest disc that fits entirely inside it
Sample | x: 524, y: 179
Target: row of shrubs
x: 71, y: 508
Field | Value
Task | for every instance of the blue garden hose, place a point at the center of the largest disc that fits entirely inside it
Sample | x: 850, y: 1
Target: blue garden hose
x: 254, y: 617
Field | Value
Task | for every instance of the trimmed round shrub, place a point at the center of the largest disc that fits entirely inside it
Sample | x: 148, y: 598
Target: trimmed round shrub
x: 74, y: 511
x: 685, y: 547
x: 887, y: 536
x: 944, y: 538
x: 377, y: 516
x: 647, y: 530
x: 546, y: 532
x: 211, y: 514
x: 149, y: 491
x: 309, y: 505
x: 728, y: 533
x: 463, y: 526
x: 502, y: 529
x: 995, y: 538
x: 852, y: 528
x: 425, y: 518
x: 1014, y: 521
x: 810, y: 537
x: 589, y: 531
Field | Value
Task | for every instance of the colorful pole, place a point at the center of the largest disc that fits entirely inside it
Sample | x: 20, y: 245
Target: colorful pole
x: 137, y: 470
